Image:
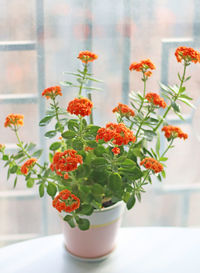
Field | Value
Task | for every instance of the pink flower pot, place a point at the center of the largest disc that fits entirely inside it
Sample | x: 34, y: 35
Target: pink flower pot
x: 99, y: 240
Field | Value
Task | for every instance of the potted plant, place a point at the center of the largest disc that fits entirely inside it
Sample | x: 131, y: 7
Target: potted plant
x: 92, y: 170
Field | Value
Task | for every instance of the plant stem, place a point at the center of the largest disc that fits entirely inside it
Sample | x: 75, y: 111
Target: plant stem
x: 144, y: 91
x: 89, y: 95
x: 23, y: 149
x: 167, y: 148
x: 83, y: 79
x: 177, y: 96
x: 142, y: 123
x: 57, y: 116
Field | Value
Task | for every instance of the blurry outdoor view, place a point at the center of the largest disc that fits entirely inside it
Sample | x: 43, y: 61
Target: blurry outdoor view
x: 119, y: 32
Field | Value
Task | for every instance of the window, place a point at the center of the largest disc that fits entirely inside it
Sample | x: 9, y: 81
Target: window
x: 41, y: 40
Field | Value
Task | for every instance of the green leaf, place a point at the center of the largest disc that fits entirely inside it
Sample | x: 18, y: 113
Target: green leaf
x: 83, y: 224
x: 163, y: 174
x: 99, y: 162
x: 68, y: 134
x: 77, y: 144
x: 31, y: 146
x: 46, y: 120
x: 30, y: 182
x: 163, y: 159
x: 51, y: 189
x: 5, y: 157
x: 92, y: 143
x: 158, y: 144
x: 55, y: 146
x: 13, y: 169
x: 15, y: 182
x: 97, y: 189
x: 92, y: 79
x: 115, y: 182
x: 186, y: 97
x: 175, y: 106
x: 128, y: 163
x: 92, y: 129
x: 135, y: 173
x: 50, y: 134
x: 187, y: 102
x: 73, y: 125
x: 100, y: 150
x: 18, y: 155
x: 86, y: 209
x: 41, y: 190
x: 188, y: 78
x: 70, y: 220
x: 37, y: 153
x: 131, y: 202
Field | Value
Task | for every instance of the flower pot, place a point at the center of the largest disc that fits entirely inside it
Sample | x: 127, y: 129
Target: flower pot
x: 99, y: 240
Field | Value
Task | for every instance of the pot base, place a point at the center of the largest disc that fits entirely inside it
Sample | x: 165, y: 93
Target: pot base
x: 94, y: 259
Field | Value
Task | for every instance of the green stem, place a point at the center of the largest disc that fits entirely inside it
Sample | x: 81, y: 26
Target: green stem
x: 89, y: 95
x: 142, y: 123
x: 167, y: 149
x: 24, y: 150
x: 83, y: 79
x: 57, y: 116
x: 144, y: 91
x: 147, y: 174
x: 177, y: 96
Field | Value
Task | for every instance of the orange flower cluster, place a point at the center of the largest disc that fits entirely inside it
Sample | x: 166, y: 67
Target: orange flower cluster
x: 173, y: 132
x: 66, y: 201
x: 188, y: 54
x: 143, y: 66
x: 118, y: 133
x: 88, y: 148
x: 116, y: 150
x: 27, y: 165
x: 80, y: 107
x: 52, y: 92
x: 152, y: 164
x: 124, y: 110
x: 87, y: 56
x: 156, y: 99
x: 64, y: 162
x: 14, y: 119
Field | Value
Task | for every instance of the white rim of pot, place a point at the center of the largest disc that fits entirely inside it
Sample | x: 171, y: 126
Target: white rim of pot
x: 109, y: 208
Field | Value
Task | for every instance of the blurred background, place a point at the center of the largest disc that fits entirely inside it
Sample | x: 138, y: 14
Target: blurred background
x: 39, y: 39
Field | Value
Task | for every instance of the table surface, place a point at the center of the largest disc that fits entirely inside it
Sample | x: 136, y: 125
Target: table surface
x: 139, y: 250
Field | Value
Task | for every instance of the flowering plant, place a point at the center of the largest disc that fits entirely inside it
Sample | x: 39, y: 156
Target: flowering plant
x: 92, y: 167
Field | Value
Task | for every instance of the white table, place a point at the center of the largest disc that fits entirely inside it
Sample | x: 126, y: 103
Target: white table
x: 139, y: 250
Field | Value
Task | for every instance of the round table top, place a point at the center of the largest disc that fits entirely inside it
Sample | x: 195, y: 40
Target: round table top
x: 139, y: 250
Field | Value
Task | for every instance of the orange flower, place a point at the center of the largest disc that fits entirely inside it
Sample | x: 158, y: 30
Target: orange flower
x: 27, y: 165
x: 152, y: 164
x: 64, y: 162
x: 80, y: 107
x: 87, y: 56
x: 124, y: 110
x: 118, y: 133
x: 156, y: 99
x: 148, y: 74
x: 14, y: 119
x: 143, y: 66
x: 174, y: 132
x: 88, y: 148
x: 116, y: 150
x: 52, y: 92
x: 187, y: 54
x: 66, y: 201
